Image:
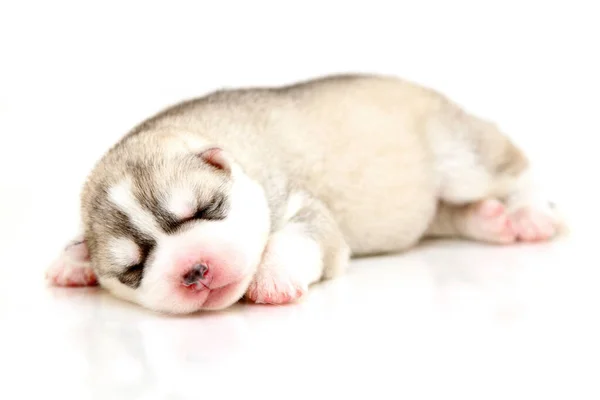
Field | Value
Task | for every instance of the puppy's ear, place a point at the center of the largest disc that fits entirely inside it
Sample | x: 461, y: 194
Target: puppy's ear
x: 216, y: 157
x: 72, y: 267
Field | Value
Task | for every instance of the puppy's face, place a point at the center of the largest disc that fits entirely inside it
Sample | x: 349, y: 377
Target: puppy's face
x: 174, y: 229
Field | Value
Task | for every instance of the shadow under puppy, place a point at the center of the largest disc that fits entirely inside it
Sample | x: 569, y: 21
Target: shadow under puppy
x: 261, y: 192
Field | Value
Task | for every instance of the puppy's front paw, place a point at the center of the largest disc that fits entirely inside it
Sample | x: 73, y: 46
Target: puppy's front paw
x: 72, y: 267
x: 270, y: 286
x: 291, y: 262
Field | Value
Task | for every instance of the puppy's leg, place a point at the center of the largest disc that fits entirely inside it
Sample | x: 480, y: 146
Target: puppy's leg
x: 485, y: 220
x: 485, y: 184
x: 309, y: 247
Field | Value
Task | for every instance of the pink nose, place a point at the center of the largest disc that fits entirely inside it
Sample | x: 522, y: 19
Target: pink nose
x: 194, y: 275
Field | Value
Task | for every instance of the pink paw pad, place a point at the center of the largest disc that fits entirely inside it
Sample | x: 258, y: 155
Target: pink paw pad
x: 532, y: 225
x: 491, y: 208
x: 72, y: 268
x: 71, y: 276
x: 491, y: 222
x: 269, y: 291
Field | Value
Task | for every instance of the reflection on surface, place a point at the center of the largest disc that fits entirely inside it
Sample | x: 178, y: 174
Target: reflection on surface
x: 386, y: 326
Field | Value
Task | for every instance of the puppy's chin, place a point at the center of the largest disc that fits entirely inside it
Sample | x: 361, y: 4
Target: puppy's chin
x: 226, y: 296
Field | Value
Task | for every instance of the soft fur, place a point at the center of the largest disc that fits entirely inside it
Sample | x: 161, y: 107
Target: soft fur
x: 273, y: 189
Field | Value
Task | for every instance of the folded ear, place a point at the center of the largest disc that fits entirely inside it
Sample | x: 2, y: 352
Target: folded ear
x: 72, y: 267
x: 216, y: 157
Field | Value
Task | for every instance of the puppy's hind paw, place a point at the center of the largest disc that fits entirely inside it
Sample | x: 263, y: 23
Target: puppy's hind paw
x: 535, y: 224
x: 489, y: 221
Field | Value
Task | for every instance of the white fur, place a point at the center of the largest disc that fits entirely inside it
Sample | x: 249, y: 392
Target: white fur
x: 294, y: 204
x: 294, y: 251
x: 182, y: 203
x: 124, y: 252
x: 460, y: 176
x: 527, y: 193
x: 532, y: 215
x: 240, y: 238
x: 292, y: 261
x: 121, y: 195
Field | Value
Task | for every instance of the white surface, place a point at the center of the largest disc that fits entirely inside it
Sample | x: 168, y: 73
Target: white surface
x: 446, y: 320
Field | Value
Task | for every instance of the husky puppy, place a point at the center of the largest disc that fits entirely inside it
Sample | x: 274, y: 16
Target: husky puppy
x: 261, y: 192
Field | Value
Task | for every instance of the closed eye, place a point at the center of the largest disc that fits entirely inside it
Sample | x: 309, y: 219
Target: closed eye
x: 132, y: 276
x: 215, y: 210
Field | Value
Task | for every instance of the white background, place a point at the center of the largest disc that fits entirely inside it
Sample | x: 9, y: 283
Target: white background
x: 75, y: 76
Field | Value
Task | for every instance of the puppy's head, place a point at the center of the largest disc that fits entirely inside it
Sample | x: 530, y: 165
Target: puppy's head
x: 170, y: 223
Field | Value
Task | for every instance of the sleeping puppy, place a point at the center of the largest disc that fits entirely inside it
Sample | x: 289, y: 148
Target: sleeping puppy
x: 261, y: 192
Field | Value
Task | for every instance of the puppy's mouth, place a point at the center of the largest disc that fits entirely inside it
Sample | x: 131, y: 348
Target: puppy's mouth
x: 199, y: 286
x: 207, y: 287
x: 208, y: 297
